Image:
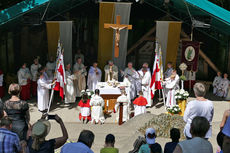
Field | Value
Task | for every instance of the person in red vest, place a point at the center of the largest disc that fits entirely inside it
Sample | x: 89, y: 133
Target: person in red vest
x: 140, y: 104
x: 85, y: 111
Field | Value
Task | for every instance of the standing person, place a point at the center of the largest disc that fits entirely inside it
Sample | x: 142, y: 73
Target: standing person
x: 97, y: 103
x: 50, y: 65
x: 81, y: 73
x: 24, y: 81
x: 171, y: 85
x: 175, y: 136
x: 169, y: 70
x: 140, y: 104
x: 37, y: 142
x: 150, y: 136
x: 111, y: 72
x: 83, y: 145
x: 226, y: 139
x: 109, y: 145
x: 94, y: 76
x: 131, y: 76
x: 1, y: 84
x: 79, y: 55
x: 216, y: 83
x: 125, y: 102
x: 145, y: 77
x: 70, y: 90
x: 43, y: 93
x: 85, y: 109
x: 223, y: 88
x: 18, y: 110
x: 198, y: 143
x: 198, y: 107
x: 34, y: 71
x: 10, y: 142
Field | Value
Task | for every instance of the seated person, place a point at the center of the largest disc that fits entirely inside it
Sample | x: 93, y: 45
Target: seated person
x: 151, y: 144
x: 84, y: 104
x: 40, y: 129
x: 109, y: 145
x: 83, y: 145
x: 175, y: 136
x: 198, y: 143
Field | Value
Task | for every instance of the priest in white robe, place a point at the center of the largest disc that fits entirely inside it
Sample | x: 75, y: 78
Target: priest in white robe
x: 50, y: 66
x: 94, y: 76
x: 80, y: 70
x: 97, y: 103
x: 126, y: 102
x: 169, y: 70
x: 171, y: 84
x: 24, y: 81
x: 216, y: 83
x: 223, y: 87
x: 43, y: 93
x: 130, y: 78
x: 145, y: 76
x: 79, y: 55
x: 111, y: 72
x: 70, y: 90
x: 34, y: 71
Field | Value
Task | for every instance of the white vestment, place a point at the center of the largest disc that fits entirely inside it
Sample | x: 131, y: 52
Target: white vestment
x: 130, y: 79
x: 77, y: 56
x: 70, y: 90
x: 139, y: 110
x: 34, y: 71
x: 223, y: 88
x: 125, y: 100
x: 216, y: 84
x: 93, y: 78
x: 168, y: 73
x: 97, y: 103
x: 111, y: 73
x: 145, y: 85
x: 43, y: 94
x: 171, y: 86
x: 80, y: 83
x: 23, y: 76
x: 50, y: 69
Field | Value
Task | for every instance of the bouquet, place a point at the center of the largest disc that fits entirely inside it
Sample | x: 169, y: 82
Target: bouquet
x: 174, y: 109
x: 181, y: 94
x: 88, y: 92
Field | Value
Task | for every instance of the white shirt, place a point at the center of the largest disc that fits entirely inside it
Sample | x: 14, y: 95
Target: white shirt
x: 198, y: 108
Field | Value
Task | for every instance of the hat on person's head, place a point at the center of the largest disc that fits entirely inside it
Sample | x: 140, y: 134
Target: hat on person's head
x: 150, y: 136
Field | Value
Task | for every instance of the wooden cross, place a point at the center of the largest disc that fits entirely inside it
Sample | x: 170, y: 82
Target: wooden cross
x: 118, y: 27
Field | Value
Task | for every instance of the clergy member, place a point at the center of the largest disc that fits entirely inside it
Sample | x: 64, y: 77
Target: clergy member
x: 140, y: 104
x: 79, y: 55
x: 126, y: 102
x: 111, y: 72
x: 131, y: 77
x: 216, y: 82
x: 50, y: 65
x: 34, y: 71
x: 94, y: 76
x: 70, y: 90
x: 169, y: 70
x: 1, y: 84
x: 171, y: 84
x: 223, y: 88
x: 80, y: 70
x: 97, y: 103
x: 145, y: 77
x: 24, y: 81
x: 43, y: 93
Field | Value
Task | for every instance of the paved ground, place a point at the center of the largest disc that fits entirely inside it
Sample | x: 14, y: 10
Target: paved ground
x: 125, y: 134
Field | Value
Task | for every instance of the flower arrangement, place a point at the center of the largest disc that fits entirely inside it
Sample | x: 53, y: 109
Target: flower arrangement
x: 89, y: 93
x: 174, y: 109
x: 181, y: 94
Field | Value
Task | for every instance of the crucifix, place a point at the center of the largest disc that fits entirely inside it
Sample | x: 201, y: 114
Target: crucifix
x: 118, y: 27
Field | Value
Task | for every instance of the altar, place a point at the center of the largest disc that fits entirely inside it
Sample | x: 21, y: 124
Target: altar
x: 109, y: 93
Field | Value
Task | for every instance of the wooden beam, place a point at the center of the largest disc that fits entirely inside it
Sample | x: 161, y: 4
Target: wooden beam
x: 201, y: 53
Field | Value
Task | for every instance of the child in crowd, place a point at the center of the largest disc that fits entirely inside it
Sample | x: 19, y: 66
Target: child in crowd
x: 85, y: 113
x: 175, y: 136
x: 109, y: 145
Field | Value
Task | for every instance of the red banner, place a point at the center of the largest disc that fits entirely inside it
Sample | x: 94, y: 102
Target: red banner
x: 190, y: 54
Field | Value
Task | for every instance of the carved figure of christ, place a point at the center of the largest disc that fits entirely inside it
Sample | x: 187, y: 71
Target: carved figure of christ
x: 118, y: 27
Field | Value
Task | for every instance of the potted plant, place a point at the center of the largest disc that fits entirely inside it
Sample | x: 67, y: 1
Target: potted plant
x: 181, y: 97
x: 174, y: 110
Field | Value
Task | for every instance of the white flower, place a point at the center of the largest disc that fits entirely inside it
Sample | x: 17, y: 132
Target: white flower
x: 87, y: 90
x: 82, y: 91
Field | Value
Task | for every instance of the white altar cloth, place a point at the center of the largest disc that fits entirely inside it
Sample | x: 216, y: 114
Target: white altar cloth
x: 105, y: 89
